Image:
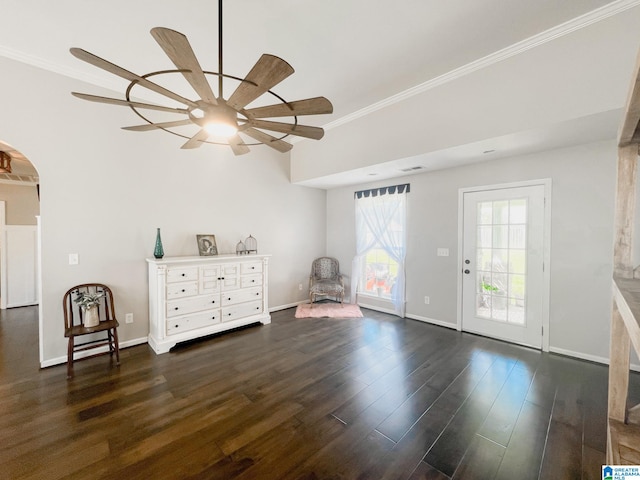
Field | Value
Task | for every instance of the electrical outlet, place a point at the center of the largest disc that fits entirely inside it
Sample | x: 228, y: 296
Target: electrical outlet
x: 73, y: 259
x: 128, y: 318
x: 300, y: 287
x: 426, y: 300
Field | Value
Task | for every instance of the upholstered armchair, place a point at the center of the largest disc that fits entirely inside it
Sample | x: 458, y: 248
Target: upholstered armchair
x: 325, y: 279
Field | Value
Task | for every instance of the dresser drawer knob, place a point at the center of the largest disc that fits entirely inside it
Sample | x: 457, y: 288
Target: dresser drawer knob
x: 184, y: 274
x: 213, y: 301
x: 253, y: 281
x: 228, y: 314
x: 176, y: 308
x: 258, y: 293
x: 257, y: 308
x: 183, y: 290
x: 229, y: 298
x: 253, y: 268
x: 177, y: 326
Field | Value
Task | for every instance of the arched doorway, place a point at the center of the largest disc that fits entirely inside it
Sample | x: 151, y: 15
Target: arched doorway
x: 19, y: 232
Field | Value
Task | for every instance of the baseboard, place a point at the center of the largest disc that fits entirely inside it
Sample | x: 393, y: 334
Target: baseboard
x: 585, y: 356
x: 433, y: 321
x: 377, y: 308
x: 60, y: 360
x: 288, y: 305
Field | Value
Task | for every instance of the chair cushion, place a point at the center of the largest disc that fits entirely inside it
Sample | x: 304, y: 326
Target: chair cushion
x: 323, y: 287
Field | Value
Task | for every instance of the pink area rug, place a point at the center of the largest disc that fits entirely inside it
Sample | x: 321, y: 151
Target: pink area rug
x: 330, y: 310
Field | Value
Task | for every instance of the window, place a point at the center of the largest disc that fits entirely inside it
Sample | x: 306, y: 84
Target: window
x: 378, y: 267
x: 379, y: 273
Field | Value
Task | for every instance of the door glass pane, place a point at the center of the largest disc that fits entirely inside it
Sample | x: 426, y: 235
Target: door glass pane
x: 484, y: 237
x: 518, y: 236
x: 501, y: 212
x: 483, y: 262
x: 517, y: 261
x: 483, y: 306
x: 501, y: 260
x: 500, y: 236
x: 484, y: 282
x: 485, y: 210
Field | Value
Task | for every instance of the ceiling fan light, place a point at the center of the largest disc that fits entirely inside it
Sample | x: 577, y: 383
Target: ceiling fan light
x: 221, y: 129
x: 221, y: 123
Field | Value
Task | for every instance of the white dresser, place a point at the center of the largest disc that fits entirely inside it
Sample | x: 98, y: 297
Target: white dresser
x: 190, y: 297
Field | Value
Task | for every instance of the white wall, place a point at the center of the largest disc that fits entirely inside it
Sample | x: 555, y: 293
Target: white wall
x: 105, y: 190
x: 583, y: 184
x: 22, y: 203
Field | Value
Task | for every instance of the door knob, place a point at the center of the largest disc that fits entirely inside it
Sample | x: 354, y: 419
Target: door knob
x: 467, y: 271
x: 467, y: 261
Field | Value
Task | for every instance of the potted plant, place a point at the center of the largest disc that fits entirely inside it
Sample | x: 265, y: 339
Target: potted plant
x: 89, y: 302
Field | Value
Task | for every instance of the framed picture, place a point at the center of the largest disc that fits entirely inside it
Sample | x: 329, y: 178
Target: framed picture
x: 207, y: 245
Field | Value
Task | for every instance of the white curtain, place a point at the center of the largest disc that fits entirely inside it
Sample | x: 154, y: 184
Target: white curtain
x: 381, y: 218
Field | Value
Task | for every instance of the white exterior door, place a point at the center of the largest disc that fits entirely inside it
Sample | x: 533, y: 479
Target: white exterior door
x: 503, y: 251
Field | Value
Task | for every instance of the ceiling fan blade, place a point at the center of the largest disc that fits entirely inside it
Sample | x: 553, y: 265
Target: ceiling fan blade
x: 127, y: 75
x: 268, y: 71
x: 115, y: 101
x: 238, y: 146
x: 155, y: 126
x: 309, y: 106
x: 299, y: 130
x: 273, y: 142
x: 197, y: 139
x: 178, y: 49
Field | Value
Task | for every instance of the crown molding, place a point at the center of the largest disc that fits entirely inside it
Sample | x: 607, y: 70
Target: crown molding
x: 549, y: 35
x: 44, y: 64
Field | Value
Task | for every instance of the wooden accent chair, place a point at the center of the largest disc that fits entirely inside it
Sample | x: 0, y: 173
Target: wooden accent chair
x: 325, y: 279
x: 74, y: 323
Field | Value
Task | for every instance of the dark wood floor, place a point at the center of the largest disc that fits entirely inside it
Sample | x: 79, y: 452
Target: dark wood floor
x: 372, y: 398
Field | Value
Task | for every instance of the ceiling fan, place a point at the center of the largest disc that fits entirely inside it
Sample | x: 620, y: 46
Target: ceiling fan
x: 219, y: 120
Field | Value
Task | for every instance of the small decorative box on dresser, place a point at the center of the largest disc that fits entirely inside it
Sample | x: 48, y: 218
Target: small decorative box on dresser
x: 190, y: 297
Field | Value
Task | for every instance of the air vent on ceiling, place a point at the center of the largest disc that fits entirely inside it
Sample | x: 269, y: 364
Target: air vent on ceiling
x: 411, y: 169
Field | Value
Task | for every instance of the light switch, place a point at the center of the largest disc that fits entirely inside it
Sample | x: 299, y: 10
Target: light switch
x: 73, y: 259
x: 443, y: 252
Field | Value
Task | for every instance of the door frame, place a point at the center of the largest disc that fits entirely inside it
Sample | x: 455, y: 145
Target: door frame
x: 546, y: 255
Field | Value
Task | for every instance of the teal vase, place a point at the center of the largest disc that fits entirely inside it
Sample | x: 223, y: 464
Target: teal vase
x: 158, y: 252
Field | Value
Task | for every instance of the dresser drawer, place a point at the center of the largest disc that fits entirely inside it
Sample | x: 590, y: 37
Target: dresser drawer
x: 241, y: 310
x: 241, y: 296
x: 182, y: 274
x: 250, y: 280
x: 184, y: 306
x: 179, y: 290
x: 250, y: 267
x: 190, y: 322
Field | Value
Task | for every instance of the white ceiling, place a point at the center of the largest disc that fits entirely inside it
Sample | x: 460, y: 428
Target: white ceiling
x: 354, y: 52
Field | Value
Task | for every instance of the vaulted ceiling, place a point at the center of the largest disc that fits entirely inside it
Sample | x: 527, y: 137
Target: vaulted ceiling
x: 355, y: 52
